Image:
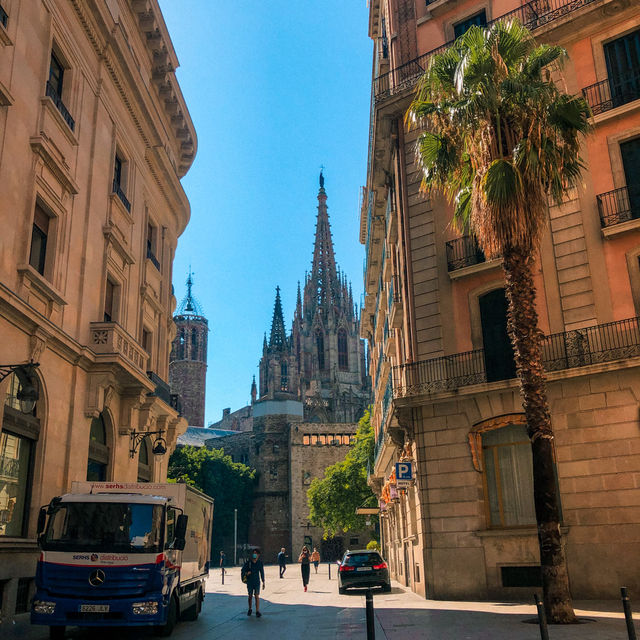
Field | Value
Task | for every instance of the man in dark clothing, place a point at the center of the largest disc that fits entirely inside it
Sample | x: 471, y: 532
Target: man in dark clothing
x: 253, y: 570
x: 282, y: 562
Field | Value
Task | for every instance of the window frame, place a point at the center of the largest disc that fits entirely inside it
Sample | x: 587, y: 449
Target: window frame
x: 44, y: 264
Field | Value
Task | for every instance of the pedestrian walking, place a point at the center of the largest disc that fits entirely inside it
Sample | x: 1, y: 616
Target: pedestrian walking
x: 315, y: 558
x: 305, y: 565
x: 251, y: 572
x: 282, y: 562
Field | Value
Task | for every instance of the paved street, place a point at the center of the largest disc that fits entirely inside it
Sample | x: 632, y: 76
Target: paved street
x: 321, y: 614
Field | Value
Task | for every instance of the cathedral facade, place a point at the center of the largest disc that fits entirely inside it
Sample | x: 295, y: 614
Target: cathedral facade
x: 322, y: 361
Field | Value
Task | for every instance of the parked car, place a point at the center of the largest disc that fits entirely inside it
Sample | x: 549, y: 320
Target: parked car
x: 363, y: 568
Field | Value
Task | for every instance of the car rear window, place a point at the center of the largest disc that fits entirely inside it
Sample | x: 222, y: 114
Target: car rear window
x: 358, y: 559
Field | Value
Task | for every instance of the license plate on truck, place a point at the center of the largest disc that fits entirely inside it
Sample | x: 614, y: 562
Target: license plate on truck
x: 94, y: 608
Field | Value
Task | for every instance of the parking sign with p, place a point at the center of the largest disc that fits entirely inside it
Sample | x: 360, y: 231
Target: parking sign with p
x: 404, y: 474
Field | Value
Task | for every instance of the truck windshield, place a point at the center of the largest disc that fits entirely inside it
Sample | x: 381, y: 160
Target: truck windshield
x: 105, y: 526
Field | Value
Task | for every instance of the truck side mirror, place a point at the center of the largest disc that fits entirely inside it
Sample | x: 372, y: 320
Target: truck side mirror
x: 180, y: 532
x: 42, y: 519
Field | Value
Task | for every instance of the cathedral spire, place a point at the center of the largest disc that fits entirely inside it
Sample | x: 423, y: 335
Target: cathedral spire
x: 189, y: 304
x: 323, y: 270
x: 254, y: 390
x: 278, y: 338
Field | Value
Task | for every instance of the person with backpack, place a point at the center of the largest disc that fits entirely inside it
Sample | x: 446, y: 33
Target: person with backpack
x: 251, y: 572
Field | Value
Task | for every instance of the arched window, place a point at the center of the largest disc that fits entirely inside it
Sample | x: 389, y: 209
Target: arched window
x: 181, y: 343
x: 144, y: 468
x: 284, y: 377
x: 343, y: 350
x: 98, y: 451
x: 320, y: 348
x: 18, y: 440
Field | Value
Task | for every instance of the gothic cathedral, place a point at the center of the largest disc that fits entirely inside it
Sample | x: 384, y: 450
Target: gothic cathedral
x: 321, y: 362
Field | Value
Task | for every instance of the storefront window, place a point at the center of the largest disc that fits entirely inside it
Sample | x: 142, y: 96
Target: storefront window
x: 15, y: 461
x: 509, y: 476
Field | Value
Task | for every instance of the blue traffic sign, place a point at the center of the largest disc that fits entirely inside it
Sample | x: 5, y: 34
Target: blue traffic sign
x: 404, y: 471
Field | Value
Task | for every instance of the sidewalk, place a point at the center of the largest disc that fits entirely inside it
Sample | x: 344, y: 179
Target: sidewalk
x: 323, y: 614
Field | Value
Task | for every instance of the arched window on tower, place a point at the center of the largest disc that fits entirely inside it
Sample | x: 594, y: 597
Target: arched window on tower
x: 320, y: 348
x: 284, y: 377
x: 343, y: 350
x: 194, y: 344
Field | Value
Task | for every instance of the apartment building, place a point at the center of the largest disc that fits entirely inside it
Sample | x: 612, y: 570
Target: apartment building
x: 94, y: 138
x: 435, y: 317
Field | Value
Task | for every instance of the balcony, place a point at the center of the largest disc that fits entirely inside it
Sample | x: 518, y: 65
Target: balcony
x: 602, y: 96
x: 385, y: 404
x: 463, y: 252
x: 533, y: 15
x: 616, y: 206
x: 57, y: 100
x: 109, y: 338
x: 117, y: 189
x: 566, y: 350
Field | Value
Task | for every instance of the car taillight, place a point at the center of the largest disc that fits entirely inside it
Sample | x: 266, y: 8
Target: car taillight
x: 382, y: 565
x: 344, y: 567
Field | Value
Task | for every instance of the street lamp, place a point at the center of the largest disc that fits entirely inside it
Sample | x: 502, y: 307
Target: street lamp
x: 27, y: 394
x: 159, y: 445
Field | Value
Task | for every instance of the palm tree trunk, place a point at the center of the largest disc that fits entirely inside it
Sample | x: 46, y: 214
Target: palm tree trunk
x: 526, y: 339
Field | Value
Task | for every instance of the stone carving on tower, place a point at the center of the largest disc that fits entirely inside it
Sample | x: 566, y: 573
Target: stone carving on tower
x: 323, y: 358
x: 188, y: 359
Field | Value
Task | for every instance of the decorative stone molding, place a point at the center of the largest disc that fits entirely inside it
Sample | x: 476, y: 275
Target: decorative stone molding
x: 111, y: 338
x: 101, y: 388
x: 37, y: 344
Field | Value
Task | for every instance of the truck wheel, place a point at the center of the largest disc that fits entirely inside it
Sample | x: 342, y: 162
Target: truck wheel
x: 166, y: 629
x: 56, y: 633
x: 193, y: 611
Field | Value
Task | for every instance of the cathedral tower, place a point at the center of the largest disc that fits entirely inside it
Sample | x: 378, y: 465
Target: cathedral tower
x: 188, y: 360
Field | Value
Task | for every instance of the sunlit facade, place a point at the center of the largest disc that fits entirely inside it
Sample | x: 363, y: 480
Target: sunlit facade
x: 441, y: 365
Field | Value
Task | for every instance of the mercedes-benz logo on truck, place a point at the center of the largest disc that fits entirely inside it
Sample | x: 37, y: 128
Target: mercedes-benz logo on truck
x: 96, y: 578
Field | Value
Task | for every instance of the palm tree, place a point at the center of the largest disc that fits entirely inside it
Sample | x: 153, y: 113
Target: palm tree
x: 499, y: 138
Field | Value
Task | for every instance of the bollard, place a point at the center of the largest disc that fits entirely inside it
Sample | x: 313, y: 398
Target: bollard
x: 371, y: 632
x: 329, y: 570
x: 542, y: 618
x: 222, y: 575
x: 626, y: 605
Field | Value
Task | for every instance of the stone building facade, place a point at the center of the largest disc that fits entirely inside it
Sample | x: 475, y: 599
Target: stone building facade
x: 95, y: 136
x: 288, y: 454
x: 434, y: 316
x: 188, y: 358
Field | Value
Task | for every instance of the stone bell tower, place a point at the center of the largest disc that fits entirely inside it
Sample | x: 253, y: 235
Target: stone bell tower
x: 188, y: 360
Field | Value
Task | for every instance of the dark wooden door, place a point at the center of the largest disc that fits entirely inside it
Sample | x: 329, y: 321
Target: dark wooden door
x: 498, y: 354
x: 631, y: 161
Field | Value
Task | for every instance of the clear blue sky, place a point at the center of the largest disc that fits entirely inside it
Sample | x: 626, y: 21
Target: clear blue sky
x: 275, y: 89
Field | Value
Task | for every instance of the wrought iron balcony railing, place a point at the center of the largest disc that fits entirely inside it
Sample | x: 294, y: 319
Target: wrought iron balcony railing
x: 616, y: 206
x: 57, y: 100
x: 566, y: 350
x: 603, y: 96
x: 117, y: 189
x: 533, y: 15
x: 4, y: 17
x: 463, y: 252
x: 162, y: 390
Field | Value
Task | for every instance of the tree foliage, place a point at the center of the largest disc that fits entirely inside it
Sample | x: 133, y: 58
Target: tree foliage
x: 333, y: 500
x: 229, y: 483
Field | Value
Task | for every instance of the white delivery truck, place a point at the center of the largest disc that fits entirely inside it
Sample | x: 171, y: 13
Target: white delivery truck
x: 122, y: 554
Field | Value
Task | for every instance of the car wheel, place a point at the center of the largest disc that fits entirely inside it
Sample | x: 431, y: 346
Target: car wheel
x: 386, y: 588
x: 56, y: 633
x: 342, y: 590
x: 166, y: 629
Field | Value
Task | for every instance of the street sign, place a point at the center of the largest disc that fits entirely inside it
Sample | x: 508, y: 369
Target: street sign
x: 404, y: 474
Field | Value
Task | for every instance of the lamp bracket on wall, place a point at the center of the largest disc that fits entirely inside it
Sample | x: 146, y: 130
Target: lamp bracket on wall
x: 159, y: 445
